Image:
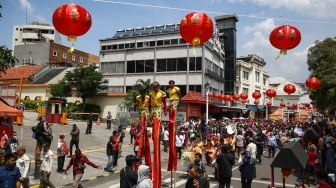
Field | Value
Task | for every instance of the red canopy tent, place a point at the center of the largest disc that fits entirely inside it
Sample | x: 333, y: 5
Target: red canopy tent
x: 8, y: 111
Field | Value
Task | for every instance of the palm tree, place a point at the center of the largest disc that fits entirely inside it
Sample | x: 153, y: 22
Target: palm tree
x: 135, y: 91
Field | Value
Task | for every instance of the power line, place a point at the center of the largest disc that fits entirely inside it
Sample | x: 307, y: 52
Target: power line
x: 211, y: 12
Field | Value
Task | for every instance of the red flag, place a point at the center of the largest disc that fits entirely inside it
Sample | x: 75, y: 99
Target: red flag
x: 157, y: 159
x: 172, y: 160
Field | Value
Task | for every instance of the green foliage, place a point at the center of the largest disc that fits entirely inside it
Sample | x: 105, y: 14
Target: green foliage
x: 32, y: 104
x: 135, y: 91
x: 87, y: 81
x: 321, y: 62
x: 61, y: 89
x: 6, y: 59
x: 73, y: 109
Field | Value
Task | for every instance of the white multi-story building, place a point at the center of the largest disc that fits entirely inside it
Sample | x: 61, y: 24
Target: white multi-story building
x: 251, y: 77
x: 160, y: 54
x: 34, y: 33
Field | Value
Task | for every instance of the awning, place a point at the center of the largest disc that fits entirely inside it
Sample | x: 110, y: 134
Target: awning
x: 254, y: 108
x: 8, y: 111
x: 194, y: 97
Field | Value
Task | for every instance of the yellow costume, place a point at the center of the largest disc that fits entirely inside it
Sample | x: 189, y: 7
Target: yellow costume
x: 174, y: 96
x: 157, y: 101
x: 142, y: 103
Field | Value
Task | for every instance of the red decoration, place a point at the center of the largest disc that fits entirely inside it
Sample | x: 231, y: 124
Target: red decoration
x: 243, y: 96
x: 196, y: 28
x: 216, y: 96
x: 222, y: 97
x: 286, y: 172
x: 256, y: 102
x: 270, y: 93
x: 269, y: 103
x: 285, y: 37
x: 210, y: 95
x: 235, y: 97
x: 282, y: 104
x: 256, y: 95
x: 307, y: 105
x: 313, y: 83
x: 243, y: 101
x: 295, y: 105
x: 289, y: 88
x: 72, y: 20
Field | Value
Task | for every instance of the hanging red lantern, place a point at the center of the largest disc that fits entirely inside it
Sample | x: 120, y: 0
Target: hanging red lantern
x: 196, y: 28
x: 286, y: 172
x: 289, y: 88
x: 222, y: 97
x: 285, y: 37
x: 282, y: 104
x: 270, y: 93
x: 256, y: 95
x: 72, y: 20
x: 269, y: 103
x: 217, y: 96
x: 295, y: 105
x: 210, y: 95
x: 313, y: 83
x: 307, y: 105
x: 235, y: 97
x: 243, y: 96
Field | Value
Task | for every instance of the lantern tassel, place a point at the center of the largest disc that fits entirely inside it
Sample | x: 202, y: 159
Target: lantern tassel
x: 277, y: 57
x: 194, y: 51
x: 72, y: 48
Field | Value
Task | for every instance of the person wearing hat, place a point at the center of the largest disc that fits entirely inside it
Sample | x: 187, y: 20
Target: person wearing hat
x: 74, y: 138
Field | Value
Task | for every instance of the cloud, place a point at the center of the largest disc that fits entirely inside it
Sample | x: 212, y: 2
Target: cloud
x: 25, y: 4
x: 313, y: 8
x: 292, y: 66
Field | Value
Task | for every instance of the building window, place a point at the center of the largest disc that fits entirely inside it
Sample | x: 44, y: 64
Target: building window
x: 257, y: 76
x: 81, y: 60
x: 55, y: 53
x: 139, y: 44
x: 174, y: 42
x: 245, y: 75
x: 140, y: 66
x: 64, y: 55
x: 245, y: 90
x: 73, y: 58
x: 264, y: 81
x: 159, y: 43
x: 195, y: 64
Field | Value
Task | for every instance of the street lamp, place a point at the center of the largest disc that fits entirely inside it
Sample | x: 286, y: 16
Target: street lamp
x: 207, y: 88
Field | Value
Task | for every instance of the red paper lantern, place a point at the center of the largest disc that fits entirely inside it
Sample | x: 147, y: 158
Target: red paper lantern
x: 282, y: 104
x: 210, y: 95
x: 196, y: 28
x: 256, y: 95
x: 313, y: 83
x: 216, y: 96
x: 285, y: 37
x: 270, y: 93
x: 289, y: 88
x: 222, y: 97
x: 235, y: 97
x: 243, y: 96
x: 72, y: 20
x: 295, y: 106
x: 269, y: 103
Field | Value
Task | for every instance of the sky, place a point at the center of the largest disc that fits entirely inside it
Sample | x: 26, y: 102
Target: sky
x: 257, y: 18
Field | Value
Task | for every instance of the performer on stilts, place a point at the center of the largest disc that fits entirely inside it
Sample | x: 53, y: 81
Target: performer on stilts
x: 142, y: 103
x: 157, y: 103
x: 174, y: 98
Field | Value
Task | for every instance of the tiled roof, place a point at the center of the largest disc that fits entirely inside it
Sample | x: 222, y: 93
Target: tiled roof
x: 193, y: 97
x: 20, y: 72
x: 48, y: 75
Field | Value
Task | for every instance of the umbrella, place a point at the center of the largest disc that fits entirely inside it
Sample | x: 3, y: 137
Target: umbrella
x: 310, y: 134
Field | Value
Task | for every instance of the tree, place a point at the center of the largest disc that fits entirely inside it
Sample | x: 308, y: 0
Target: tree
x: 321, y: 62
x: 6, y: 59
x: 135, y: 91
x: 87, y: 81
x: 61, y: 89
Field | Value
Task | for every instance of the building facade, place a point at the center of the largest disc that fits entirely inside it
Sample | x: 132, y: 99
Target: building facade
x: 160, y: 54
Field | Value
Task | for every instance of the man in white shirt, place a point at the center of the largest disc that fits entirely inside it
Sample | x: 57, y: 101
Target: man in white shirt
x: 252, y: 147
x: 46, y: 166
x: 23, y: 163
x: 179, y: 143
x: 165, y: 139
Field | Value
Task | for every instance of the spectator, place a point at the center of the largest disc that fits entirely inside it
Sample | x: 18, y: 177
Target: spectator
x: 78, y: 162
x: 9, y: 173
x: 322, y: 178
x: 196, y: 179
x: 225, y: 161
x: 3, y: 139
x: 50, y: 132
x: 200, y: 164
x: 12, y: 144
x: 143, y: 177
x: 115, y: 146
x: 89, y: 124
x: 62, y: 150
x: 23, y: 163
x: 74, y: 138
x: 41, y: 133
x: 179, y: 143
x: 239, y: 142
x: 247, y: 169
x: 260, y: 140
x: 128, y: 175
x: 252, y: 148
x: 165, y: 139
x: 46, y: 166
x: 108, y: 120
x: 109, y: 153
x: 271, y: 144
x: 310, y: 167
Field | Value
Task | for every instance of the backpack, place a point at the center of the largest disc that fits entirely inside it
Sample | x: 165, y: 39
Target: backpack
x: 65, y: 148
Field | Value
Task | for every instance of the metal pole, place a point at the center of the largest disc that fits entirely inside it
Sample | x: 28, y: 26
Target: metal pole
x: 207, y: 106
x: 266, y: 112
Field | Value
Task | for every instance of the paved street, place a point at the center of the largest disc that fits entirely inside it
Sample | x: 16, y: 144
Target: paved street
x: 94, y: 147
